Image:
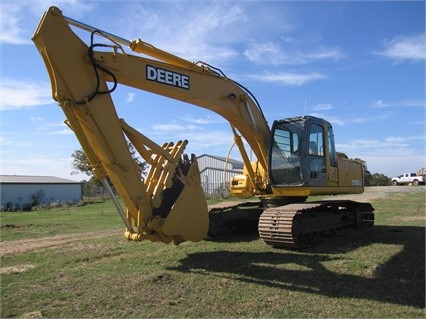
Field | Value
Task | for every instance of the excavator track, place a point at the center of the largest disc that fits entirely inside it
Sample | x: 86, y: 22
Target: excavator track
x: 230, y: 217
x: 303, y: 224
x: 293, y: 225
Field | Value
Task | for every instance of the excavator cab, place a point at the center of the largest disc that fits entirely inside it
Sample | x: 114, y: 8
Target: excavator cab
x: 303, y: 155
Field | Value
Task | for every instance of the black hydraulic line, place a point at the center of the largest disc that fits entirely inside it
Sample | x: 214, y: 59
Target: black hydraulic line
x: 96, y: 66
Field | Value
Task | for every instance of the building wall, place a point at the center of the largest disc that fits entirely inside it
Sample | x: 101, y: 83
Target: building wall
x: 216, y: 162
x: 21, y: 194
x: 215, y: 182
x: 213, y: 178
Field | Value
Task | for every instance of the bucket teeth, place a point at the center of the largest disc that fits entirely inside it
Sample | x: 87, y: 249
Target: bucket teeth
x: 171, y: 194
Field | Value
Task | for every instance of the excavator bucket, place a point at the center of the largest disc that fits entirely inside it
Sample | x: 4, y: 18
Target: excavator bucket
x: 188, y: 218
x: 182, y: 214
x: 179, y: 208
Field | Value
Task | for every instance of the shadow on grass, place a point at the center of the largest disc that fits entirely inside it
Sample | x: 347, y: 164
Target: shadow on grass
x: 401, y: 280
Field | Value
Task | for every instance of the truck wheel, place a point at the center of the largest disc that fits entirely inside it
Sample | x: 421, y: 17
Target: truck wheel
x: 394, y: 183
x: 415, y: 182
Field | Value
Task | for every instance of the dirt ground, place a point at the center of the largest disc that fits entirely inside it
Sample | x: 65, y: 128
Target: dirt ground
x: 27, y: 245
x: 378, y: 192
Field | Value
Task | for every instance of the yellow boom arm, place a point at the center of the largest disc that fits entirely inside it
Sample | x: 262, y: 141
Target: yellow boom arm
x: 169, y: 204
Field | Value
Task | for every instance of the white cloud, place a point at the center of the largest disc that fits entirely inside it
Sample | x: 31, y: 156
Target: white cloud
x: 391, y: 155
x: 350, y: 118
x: 130, y: 97
x: 391, y: 140
x: 6, y: 141
x: 378, y: 118
x: 56, y: 129
x: 322, y: 107
x: 51, y: 128
x: 47, y: 126
x: 376, y: 163
x: 267, y: 53
x: 332, y: 119
x: 288, y: 78
x: 325, y: 53
x: 10, y: 29
x: 272, y: 53
x: 402, y: 103
x: 209, y: 119
x: 16, y: 28
x: 37, y: 164
x: 204, y: 35
x: 391, y: 145
x: 64, y: 131
x: 380, y: 104
x: 205, y: 141
x: 200, y: 137
x: 211, y: 31
x: 37, y: 119
x: 16, y: 95
x: 172, y: 127
x: 167, y: 127
x: 405, y: 48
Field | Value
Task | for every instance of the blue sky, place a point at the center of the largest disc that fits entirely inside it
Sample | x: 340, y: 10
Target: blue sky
x: 359, y: 64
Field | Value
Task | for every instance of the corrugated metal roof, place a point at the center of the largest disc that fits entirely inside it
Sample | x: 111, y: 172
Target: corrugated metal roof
x: 22, y: 179
x: 223, y: 159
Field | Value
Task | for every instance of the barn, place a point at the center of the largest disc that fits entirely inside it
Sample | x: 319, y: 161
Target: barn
x: 215, y: 177
x: 22, y: 192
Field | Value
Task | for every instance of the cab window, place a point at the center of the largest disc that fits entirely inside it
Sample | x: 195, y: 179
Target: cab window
x: 285, y: 157
x: 316, y: 140
x: 316, y: 149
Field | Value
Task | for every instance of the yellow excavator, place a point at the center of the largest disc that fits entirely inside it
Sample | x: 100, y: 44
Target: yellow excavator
x: 295, y: 158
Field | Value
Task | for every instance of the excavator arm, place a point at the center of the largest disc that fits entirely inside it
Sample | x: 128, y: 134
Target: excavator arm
x: 168, y: 204
x: 199, y: 86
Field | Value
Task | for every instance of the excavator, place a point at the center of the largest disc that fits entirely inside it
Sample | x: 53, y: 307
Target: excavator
x: 294, y: 158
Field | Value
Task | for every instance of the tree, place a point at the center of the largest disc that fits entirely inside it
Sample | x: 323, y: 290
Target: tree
x: 81, y: 162
x: 375, y: 179
x: 367, y: 173
x: 379, y: 180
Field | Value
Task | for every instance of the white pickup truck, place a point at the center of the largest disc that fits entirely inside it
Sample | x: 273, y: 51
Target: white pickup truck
x: 408, y: 178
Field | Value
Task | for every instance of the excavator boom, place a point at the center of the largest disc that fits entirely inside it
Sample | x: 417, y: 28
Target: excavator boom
x: 169, y: 204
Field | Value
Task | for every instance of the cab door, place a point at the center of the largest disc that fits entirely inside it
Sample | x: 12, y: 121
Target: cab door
x: 321, y: 155
x: 316, y: 155
x: 333, y: 175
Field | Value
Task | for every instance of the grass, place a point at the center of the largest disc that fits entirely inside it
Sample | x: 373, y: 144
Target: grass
x: 373, y: 273
x: 59, y: 220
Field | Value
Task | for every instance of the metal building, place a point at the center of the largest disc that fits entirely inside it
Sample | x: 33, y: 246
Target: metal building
x: 215, y: 177
x: 23, y: 192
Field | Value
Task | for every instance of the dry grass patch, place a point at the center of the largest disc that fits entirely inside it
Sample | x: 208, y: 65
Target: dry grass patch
x: 15, y: 269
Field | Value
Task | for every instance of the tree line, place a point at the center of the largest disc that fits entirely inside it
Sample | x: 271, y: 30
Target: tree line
x: 375, y: 179
x: 93, y: 186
